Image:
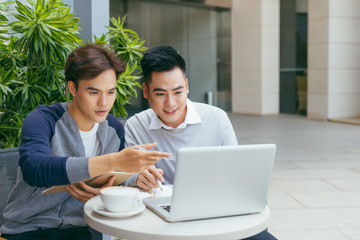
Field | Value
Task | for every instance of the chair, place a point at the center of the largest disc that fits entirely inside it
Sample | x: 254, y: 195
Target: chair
x: 9, y: 164
x: 301, y: 87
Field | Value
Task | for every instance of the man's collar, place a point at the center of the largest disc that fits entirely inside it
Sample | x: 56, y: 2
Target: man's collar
x: 192, y: 117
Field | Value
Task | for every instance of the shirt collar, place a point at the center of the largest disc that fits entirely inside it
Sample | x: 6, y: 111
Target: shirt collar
x: 192, y: 117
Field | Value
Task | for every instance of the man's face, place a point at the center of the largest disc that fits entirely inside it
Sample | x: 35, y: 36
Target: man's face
x: 93, y: 99
x: 167, y: 95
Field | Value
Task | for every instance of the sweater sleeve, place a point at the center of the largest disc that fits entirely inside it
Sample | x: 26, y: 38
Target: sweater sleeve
x: 38, y: 166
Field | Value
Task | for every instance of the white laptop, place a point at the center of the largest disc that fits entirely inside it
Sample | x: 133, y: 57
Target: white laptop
x: 217, y: 182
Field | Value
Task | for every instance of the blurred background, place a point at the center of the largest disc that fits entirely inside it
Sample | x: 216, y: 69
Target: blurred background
x: 251, y: 56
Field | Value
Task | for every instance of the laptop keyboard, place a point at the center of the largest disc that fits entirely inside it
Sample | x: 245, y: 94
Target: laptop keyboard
x: 166, y: 207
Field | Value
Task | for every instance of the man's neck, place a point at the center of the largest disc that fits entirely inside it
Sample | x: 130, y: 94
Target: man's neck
x: 82, y: 123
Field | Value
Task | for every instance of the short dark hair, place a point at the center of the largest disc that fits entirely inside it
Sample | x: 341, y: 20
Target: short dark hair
x: 89, y: 60
x: 161, y: 59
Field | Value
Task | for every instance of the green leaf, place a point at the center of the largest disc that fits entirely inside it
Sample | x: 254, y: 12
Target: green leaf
x: 32, y: 71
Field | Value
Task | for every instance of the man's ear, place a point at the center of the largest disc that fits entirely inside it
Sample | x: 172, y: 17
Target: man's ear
x: 72, y: 88
x: 145, y: 90
x: 187, y: 86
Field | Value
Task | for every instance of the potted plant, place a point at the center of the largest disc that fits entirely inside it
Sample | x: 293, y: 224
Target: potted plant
x: 33, y: 51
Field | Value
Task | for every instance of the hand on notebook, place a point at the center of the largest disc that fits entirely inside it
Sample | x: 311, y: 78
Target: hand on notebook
x: 84, y: 193
x: 148, y: 178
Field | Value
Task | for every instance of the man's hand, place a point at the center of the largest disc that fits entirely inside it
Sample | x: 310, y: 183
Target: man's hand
x: 148, y: 178
x: 135, y: 160
x: 87, y: 192
x: 127, y: 160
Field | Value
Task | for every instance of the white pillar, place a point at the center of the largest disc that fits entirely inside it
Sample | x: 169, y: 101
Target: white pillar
x: 333, y: 59
x: 255, y: 56
x: 94, y: 17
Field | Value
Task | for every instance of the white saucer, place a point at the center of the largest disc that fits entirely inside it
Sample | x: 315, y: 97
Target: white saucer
x: 100, y: 209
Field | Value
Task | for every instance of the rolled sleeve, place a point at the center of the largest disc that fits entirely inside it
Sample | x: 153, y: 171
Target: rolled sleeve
x: 77, y: 169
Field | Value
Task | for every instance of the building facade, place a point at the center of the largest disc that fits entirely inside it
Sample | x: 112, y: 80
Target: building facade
x: 252, y: 56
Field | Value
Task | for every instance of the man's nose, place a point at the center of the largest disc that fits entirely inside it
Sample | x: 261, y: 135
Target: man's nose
x: 103, y: 100
x: 169, y: 100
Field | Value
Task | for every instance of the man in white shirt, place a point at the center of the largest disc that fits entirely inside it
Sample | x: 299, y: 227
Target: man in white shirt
x: 173, y: 120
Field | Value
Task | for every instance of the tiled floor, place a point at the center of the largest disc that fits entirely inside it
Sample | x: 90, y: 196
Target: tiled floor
x: 315, y: 188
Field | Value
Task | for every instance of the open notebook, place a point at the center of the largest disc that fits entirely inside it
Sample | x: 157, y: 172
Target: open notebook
x: 95, y: 182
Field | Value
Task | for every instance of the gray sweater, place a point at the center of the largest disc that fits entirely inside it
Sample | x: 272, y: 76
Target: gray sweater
x: 52, y: 153
x: 215, y: 129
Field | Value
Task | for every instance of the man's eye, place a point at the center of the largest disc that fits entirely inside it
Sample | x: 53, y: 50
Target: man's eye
x: 93, y: 93
x: 179, y: 92
x: 111, y: 92
x: 160, y: 94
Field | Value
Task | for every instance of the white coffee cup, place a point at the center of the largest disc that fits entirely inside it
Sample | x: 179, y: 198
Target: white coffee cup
x: 120, y: 199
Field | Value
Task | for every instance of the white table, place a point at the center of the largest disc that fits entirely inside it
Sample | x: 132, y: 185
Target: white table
x: 147, y: 225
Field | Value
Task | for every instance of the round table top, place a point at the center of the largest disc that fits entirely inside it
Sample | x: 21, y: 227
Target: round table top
x: 147, y: 225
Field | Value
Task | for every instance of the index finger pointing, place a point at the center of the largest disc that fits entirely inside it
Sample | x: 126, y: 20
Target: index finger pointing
x: 159, y: 154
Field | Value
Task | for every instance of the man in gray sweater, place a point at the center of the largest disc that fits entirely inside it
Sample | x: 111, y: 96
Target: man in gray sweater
x: 173, y: 120
x: 69, y: 142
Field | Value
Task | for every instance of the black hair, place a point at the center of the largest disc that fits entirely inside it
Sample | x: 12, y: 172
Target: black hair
x: 161, y: 59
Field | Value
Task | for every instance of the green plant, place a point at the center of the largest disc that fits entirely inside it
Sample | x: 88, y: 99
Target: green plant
x: 33, y: 51
x: 129, y: 47
x: 3, y: 19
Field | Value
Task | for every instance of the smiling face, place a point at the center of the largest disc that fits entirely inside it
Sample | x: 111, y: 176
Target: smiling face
x: 93, y: 99
x: 167, y: 95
